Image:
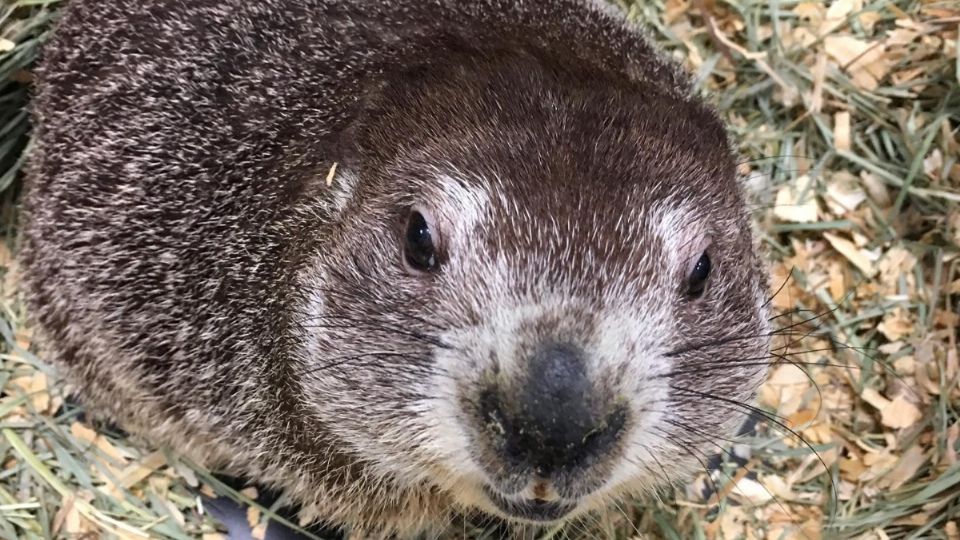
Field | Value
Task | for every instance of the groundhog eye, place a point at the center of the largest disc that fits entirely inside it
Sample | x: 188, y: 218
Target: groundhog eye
x: 419, y: 251
x: 697, y: 282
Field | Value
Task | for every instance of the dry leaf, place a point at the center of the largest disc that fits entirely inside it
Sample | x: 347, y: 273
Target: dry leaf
x: 36, y: 387
x: 90, y: 436
x: 896, y: 325
x: 871, y: 396
x: 134, y: 473
x: 953, y: 435
x: 863, y: 59
x: 814, y: 11
x: 952, y: 531
x: 852, y: 468
x: 253, y: 516
x: 900, y: 414
x: 845, y: 49
x: 877, y: 190
x: 910, y: 463
x: 751, y: 490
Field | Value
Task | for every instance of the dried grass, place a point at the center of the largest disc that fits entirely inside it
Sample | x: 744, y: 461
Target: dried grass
x: 847, y: 115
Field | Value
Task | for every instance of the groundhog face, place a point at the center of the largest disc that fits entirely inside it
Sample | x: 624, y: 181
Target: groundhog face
x: 542, y: 293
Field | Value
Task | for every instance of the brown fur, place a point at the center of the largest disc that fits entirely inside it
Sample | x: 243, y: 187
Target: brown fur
x: 197, y: 280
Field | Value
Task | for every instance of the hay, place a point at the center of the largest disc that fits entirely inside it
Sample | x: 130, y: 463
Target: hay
x: 847, y: 117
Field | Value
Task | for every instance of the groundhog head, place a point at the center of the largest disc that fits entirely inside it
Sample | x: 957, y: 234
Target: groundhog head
x: 541, y: 291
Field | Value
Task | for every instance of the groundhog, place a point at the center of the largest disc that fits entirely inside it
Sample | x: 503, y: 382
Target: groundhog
x: 404, y: 260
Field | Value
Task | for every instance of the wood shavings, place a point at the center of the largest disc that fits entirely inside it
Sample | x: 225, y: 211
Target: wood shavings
x: 844, y: 194
x: 135, y: 473
x: 861, y: 258
x: 863, y: 59
x: 837, y: 13
x: 841, y: 130
x: 796, y: 202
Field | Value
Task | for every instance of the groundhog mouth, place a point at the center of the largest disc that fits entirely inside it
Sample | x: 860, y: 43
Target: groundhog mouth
x: 536, y: 510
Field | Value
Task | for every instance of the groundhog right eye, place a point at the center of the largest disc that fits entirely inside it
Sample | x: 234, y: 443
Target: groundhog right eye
x: 697, y: 282
x: 420, y: 253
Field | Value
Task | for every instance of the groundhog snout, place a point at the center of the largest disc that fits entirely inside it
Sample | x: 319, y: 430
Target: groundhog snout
x: 552, y: 421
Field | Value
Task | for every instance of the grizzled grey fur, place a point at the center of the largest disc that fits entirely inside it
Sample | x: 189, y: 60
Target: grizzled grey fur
x: 198, y: 280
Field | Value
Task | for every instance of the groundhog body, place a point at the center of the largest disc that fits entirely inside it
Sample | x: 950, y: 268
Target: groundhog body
x: 405, y: 260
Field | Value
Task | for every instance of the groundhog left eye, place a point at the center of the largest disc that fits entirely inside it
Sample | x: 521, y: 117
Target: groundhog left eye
x: 419, y: 252
x: 697, y: 282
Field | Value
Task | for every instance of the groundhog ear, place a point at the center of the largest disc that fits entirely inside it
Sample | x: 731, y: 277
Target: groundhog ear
x: 352, y: 133
x: 348, y: 149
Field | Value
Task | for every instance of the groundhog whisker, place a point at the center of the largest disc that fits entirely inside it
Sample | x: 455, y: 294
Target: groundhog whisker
x: 646, y: 467
x: 389, y: 330
x: 677, y: 422
x: 783, y: 331
x: 836, y: 345
x: 779, y: 289
x: 826, y: 312
x: 788, y: 328
x: 732, y: 402
x: 653, y: 456
x: 688, y: 446
x: 727, y: 340
x: 731, y: 339
x: 400, y: 307
x: 776, y: 419
x: 842, y: 346
x: 725, y: 362
x: 709, y: 438
x: 762, y: 157
x: 341, y: 317
x: 381, y: 324
x: 721, y: 366
x: 790, y: 313
x: 771, y: 360
x: 342, y: 360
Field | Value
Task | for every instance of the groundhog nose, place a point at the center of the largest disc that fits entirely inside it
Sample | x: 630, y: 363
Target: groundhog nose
x: 555, y: 421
